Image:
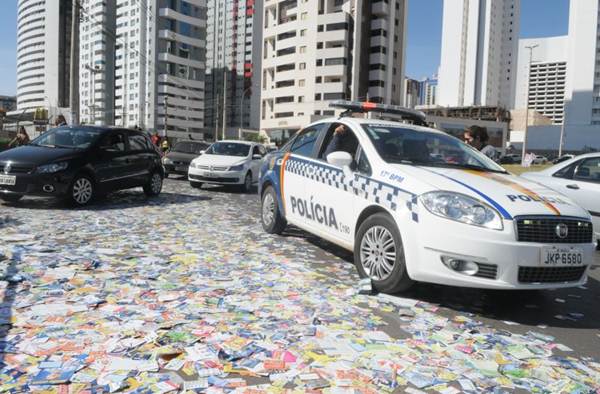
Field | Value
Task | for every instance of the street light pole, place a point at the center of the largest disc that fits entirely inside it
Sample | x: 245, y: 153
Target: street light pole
x: 93, y: 71
x: 562, y: 131
x: 242, y: 113
x: 74, y: 64
x: 166, y: 106
x: 524, y: 150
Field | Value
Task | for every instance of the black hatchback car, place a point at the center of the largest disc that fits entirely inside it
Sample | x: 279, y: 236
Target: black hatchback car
x: 80, y: 163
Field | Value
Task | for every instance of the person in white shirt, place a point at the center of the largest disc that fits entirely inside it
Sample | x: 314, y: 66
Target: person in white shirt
x: 477, y: 137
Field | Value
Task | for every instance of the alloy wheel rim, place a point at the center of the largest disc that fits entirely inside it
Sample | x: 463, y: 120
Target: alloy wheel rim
x: 378, y: 253
x: 82, y: 190
x: 156, y: 183
x: 268, y: 209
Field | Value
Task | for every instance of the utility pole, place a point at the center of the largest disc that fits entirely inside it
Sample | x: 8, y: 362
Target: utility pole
x: 217, y: 117
x: 74, y: 64
x: 224, y: 102
x: 166, y: 106
x: 93, y: 71
x: 561, y: 144
x: 242, y: 112
x: 524, y: 150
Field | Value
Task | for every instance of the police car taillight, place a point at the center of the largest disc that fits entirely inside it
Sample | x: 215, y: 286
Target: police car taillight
x: 417, y: 117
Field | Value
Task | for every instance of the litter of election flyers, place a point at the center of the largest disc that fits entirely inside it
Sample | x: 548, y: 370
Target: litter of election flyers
x: 185, y: 293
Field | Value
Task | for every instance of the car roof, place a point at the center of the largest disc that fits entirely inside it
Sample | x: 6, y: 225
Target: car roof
x: 238, y: 142
x: 194, y: 141
x: 380, y: 122
x: 98, y: 128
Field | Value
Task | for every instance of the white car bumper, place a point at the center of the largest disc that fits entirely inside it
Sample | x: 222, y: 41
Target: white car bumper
x: 503, y: 262
x: 216, y: 177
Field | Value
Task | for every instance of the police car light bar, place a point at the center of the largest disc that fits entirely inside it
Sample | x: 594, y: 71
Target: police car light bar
x: 417, y: 117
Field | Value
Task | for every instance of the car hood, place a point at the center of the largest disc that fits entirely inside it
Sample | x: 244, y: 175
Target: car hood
x: 37, y: 155
x: 218, y: 160
x: 509, y: 194
x: 181, y: 156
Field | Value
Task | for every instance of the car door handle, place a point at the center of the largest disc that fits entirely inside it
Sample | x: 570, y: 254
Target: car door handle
x: 574, y: 187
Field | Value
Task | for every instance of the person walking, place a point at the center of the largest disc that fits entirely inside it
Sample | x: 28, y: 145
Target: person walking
x: 155, y: 139
x: 478, y: 138
x: 22, y: 138
x: 165, y: 146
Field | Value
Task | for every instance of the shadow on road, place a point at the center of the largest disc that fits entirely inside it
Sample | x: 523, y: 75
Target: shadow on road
x: 565, y: 308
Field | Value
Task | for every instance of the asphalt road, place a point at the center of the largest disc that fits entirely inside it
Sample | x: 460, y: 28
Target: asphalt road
x: 223, y: 224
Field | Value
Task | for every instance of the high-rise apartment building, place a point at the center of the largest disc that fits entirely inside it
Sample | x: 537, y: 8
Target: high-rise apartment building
x: 233, y: 39
x: 541, y: 85
x: 583, y: 66
x: 479, y: 52
x: 428, y: 94
x: 43, y: 47
x: 160, y: 65
x: 317, y: 51
x: 97, y: 62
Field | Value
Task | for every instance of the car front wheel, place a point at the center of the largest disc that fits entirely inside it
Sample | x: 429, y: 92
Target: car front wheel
x: 196, y: 185
x: 247, y: 185
x: 82, y: 190
x: 154, y: 185
x: 271, y: 217
x: 379, y: 254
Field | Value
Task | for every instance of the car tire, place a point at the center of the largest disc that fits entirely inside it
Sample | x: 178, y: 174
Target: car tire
x: 166, y: 175
x: 378, y: 246
x: 246, y: 187
x: 196, y: 185
x: 154, y: 185
x: 11, y: 198
x: 272, y: 220
x: 82, y: 190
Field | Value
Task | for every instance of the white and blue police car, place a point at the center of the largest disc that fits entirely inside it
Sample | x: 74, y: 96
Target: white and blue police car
x: 416, y: 204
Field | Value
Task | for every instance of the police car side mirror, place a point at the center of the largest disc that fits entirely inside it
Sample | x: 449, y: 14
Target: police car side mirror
x: 339, y: 159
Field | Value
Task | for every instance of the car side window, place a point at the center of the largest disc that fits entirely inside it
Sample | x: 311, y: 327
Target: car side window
x: 137, y: 142
x: 262, y: 150
x: 588, y: 170
x: 114, y: 142
x: 304, y: 144
x: 256, y: 151
x: 566, y: 172
x: 362, y: 163
x: 346, y: 142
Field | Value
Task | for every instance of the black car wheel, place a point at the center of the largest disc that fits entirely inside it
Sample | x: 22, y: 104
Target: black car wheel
x: 154, y: 185
x: 247, y: 185
x: 11, y: 198
x: 379, y: 254
x: 196, y: 185
x: 271, y: 218
x: 82, y: 190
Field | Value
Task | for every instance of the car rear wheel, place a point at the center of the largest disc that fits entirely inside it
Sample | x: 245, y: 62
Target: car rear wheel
x: 379, y: 254
x: 196, y: 185
x: 82, y: 190
x: 247, y: 185
x: 154, y: 185
x: 11, y: 198
x: 271, y: 218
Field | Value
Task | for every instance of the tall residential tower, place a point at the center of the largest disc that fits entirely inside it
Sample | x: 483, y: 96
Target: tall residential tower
x: 479, y: 52
x: 316, y: 51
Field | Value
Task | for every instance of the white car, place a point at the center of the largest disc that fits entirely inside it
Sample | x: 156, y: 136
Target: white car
x: 381, y: 190
x: 539, y: 160
x: 228, y: 163
x: 579, y: 179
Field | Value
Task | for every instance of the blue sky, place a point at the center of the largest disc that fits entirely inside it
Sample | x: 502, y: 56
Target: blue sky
x: 539, y: 18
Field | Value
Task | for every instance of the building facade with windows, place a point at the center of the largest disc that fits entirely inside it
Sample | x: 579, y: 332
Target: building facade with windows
x: 233, y: 64
x: 97, y: 62
x: 317, y: 51
x: 479, y: 52
x: 160, y: 65
x: 43, y: 48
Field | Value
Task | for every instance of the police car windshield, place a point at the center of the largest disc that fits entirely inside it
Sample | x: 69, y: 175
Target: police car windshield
x: 422, y: 148
x: 229, y: 149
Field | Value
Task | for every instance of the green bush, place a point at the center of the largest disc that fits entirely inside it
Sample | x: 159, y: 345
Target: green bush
x: 4, y: 143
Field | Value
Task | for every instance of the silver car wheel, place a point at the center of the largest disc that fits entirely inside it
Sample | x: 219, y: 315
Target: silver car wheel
x: 378, y: 253
x: 268, y: 209
x: 82, y: 191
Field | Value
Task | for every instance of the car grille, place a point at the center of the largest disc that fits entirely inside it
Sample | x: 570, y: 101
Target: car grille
x: 550, y: 274
x: 543, y: 230
x: 487, y: 271
x: 218, y: 180
x: 16, y: 169
x: 212, y: 168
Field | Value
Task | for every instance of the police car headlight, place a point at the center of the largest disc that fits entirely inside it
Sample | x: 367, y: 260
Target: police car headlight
x: 237, y: 168
x: 462, y: 208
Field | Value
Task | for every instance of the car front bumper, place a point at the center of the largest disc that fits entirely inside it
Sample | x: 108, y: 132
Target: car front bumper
x: 216, y: 177
x: 45, y: 185
x: 180, y: 169
x: 503, y: 262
